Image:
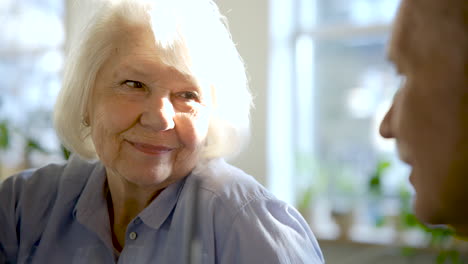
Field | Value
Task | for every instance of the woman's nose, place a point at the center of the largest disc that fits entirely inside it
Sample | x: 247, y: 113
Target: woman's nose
x: 158, y: 114
x: 386, y: 124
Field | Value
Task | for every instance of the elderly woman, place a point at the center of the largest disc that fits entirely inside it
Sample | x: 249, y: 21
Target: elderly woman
x: 154, y: 96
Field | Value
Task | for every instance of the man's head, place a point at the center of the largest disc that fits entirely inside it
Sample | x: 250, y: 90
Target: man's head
x: 429, y: 115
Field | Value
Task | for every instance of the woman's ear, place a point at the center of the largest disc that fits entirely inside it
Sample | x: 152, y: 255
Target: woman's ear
x: 85, y: 120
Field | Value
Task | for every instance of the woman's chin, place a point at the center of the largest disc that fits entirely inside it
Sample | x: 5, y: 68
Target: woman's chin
x: 142, y: 176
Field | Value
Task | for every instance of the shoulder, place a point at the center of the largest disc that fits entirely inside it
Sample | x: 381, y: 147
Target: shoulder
x: 29, y: 199
x: 35, y: 191
x: 252, y: 225
x: 46, y: 180
x: 33, y: 181
x: 228, y: 185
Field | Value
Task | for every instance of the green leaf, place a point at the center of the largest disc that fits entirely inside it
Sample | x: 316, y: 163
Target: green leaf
x: 383, y: 165
x: 32, y: 145
x: 375, y: 184
x: 408, y: 251
x: 441, y: 258
x: 454, y: 256
x: 410, y: 220
x: 65, y: 152
x: 4, y: 135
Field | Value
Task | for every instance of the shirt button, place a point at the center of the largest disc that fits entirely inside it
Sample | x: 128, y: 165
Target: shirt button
x: 133, y: 235
x: 137, y: 221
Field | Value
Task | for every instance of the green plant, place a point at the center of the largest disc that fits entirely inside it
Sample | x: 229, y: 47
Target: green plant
x: 4, y: 135
x: 4, y: 141
x: 312, y: 181
x: 305, y: 200
x: 375, y: 181
x: 65, y: 152
x: 375, y: 191
x: 8, y: 131
x: 441, y: 239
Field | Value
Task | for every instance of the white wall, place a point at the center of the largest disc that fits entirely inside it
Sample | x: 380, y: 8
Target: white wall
x: 248, y: 23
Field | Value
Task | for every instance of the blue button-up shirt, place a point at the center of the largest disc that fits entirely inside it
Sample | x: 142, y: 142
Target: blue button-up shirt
x: 58, y: 214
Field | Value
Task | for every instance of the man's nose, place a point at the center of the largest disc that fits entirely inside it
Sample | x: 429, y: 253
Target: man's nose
x: 386, y: 124
x: 158, y: 114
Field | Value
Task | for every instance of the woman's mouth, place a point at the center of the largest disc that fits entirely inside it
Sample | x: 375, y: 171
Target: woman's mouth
x: 151, y: 149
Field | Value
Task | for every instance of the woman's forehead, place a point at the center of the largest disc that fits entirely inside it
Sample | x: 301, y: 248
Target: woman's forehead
x: 150, y: 68
x: 178, y: 46
x: 138, y: 51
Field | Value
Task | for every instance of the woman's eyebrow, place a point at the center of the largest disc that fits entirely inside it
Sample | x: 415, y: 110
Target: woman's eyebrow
x: 153, y: 72
x: 128, y: 70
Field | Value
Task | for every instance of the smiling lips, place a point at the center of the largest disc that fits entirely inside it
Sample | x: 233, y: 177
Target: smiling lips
x: 151, y: 149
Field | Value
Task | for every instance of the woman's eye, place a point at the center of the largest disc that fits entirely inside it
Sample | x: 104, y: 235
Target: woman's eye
x: 134, y: 84
x: 189, y: 95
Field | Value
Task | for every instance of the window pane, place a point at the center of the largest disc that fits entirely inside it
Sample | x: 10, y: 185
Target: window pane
x: 30, y: 67
x: 343, y: 87
x: 346, y: 12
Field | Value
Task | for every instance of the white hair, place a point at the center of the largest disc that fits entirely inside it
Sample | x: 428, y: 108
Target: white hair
x: 196, y: 41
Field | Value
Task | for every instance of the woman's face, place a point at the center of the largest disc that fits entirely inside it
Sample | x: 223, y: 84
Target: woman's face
x: 148, y: 120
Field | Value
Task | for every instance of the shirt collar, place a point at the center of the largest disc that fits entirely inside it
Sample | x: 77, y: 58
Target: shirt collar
x: 93, y: 195
x: 91, y: 207
x: 159, y: 210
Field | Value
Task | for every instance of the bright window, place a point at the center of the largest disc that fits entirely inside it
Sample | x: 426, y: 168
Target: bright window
x: 330, y: 56
x: 31, y: 58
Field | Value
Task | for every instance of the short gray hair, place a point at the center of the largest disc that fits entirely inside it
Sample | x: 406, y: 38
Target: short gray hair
x: 180, y: 27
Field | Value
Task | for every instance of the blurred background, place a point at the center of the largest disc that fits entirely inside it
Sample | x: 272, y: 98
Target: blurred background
x: 321, y: 82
